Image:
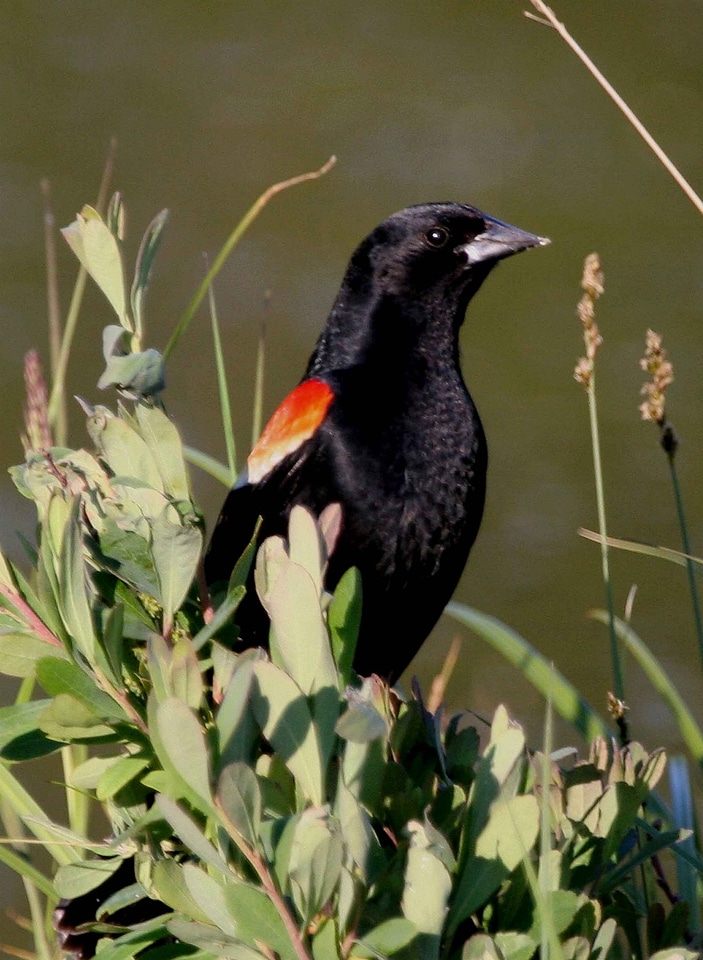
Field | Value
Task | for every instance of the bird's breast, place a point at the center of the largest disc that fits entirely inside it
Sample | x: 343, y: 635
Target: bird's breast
x: 412, y: 486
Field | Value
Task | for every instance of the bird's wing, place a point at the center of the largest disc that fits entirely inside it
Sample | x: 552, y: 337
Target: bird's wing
x: 270, y: 483
x: 294, y: 422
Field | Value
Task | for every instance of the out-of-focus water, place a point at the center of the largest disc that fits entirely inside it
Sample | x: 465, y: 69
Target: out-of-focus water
x: 211, y: 102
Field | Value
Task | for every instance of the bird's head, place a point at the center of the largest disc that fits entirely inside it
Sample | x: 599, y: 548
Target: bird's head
x: 437, y: 248
x: 415, y: 272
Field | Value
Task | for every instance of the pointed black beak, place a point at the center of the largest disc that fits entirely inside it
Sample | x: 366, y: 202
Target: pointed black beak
x: 498, y: 240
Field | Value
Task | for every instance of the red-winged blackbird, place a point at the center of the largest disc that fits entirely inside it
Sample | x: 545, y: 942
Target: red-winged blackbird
x: 383, y: 424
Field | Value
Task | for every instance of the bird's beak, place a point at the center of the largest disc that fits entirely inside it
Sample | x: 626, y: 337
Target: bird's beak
x: 498, y: 240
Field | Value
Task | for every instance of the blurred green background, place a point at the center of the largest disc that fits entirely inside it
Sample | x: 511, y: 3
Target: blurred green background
x: 212, y: 101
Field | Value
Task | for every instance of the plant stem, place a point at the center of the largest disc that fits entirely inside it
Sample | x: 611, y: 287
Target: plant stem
x: 257, y: 418
x: 77, y: 807
x: 225, y: 408
x: 690, y: 566
x: 605, y: 562
x: 231, y: 242
x: 267, y: 882
x: 552, y: 21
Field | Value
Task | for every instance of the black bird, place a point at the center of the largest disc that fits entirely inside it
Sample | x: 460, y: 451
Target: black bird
x: 383, y: 424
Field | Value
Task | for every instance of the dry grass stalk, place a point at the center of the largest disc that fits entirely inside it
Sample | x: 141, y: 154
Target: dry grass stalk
x: 592, y: 284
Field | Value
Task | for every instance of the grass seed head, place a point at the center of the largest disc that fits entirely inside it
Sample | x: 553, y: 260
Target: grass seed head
x: 592, y: 284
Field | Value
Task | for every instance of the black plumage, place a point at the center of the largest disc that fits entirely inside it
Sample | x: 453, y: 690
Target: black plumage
x: 401, y: 446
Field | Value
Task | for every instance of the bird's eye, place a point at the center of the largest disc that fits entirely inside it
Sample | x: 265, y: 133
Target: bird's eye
x: 437, y: 237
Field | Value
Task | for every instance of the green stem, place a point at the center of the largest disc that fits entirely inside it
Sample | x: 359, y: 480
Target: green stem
x: 37, y: 913
x: 225, y: 408
x: 57, y: 400
x: 231, y: 242
x: 77, y: 807
x: 600, y: 503
x: 690, y: 566
x: 257, y: 418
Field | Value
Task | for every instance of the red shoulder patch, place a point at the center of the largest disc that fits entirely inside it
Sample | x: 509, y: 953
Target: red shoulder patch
x: 294, y: 422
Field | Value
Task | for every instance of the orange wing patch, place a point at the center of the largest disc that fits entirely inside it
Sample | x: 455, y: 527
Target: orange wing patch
x: 294, y: 422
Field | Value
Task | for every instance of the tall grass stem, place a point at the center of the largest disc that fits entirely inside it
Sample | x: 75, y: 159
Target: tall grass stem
x: 222, y: 390
x: 231, y: 242
x: 690, y: 565
x: 618, y: 681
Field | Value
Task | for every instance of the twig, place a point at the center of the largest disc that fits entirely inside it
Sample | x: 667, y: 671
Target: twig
x: 552, y: 21
x: 267, y: 882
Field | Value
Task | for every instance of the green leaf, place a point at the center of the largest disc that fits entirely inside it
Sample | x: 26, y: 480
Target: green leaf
x: 99, y: 252
x: 136, y: 375
x: 61, y: 676
x: 305, y: 545
x: 239, y: 797
x: 481, y: 947
x: 284, y: 716
x: 190, y: 834
x: 126, y: 453
x: 169, y: 883
x: 118, y: 775
x: 426, y: 891
x: 343, y: 620
x: 144, y: 266
x: 315, y: 861
x: 20, y: 650
x: 87, y: 774
x: 211, y: 940
x: 387, y: 938
x: 359, y: 838
x: 176, y: 550
x: 19, y: 864
x: 361, y: 722
x: 131, y: 553
x: 511, y: 832
x: 20, y: 736
x: 75, y: 607
x: 257, y: 920
x: 77, y: 879
x: 604, y: 939
x: 210, y: 898
x: 113, y: 641
x: 134, y: 942
x: 293, y: 603
x: 164, y: 441
x: 183, y: 740
x: 517, y: 946
x: 69, y: 719
x: 236, y: 726
x: 186, y: 678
